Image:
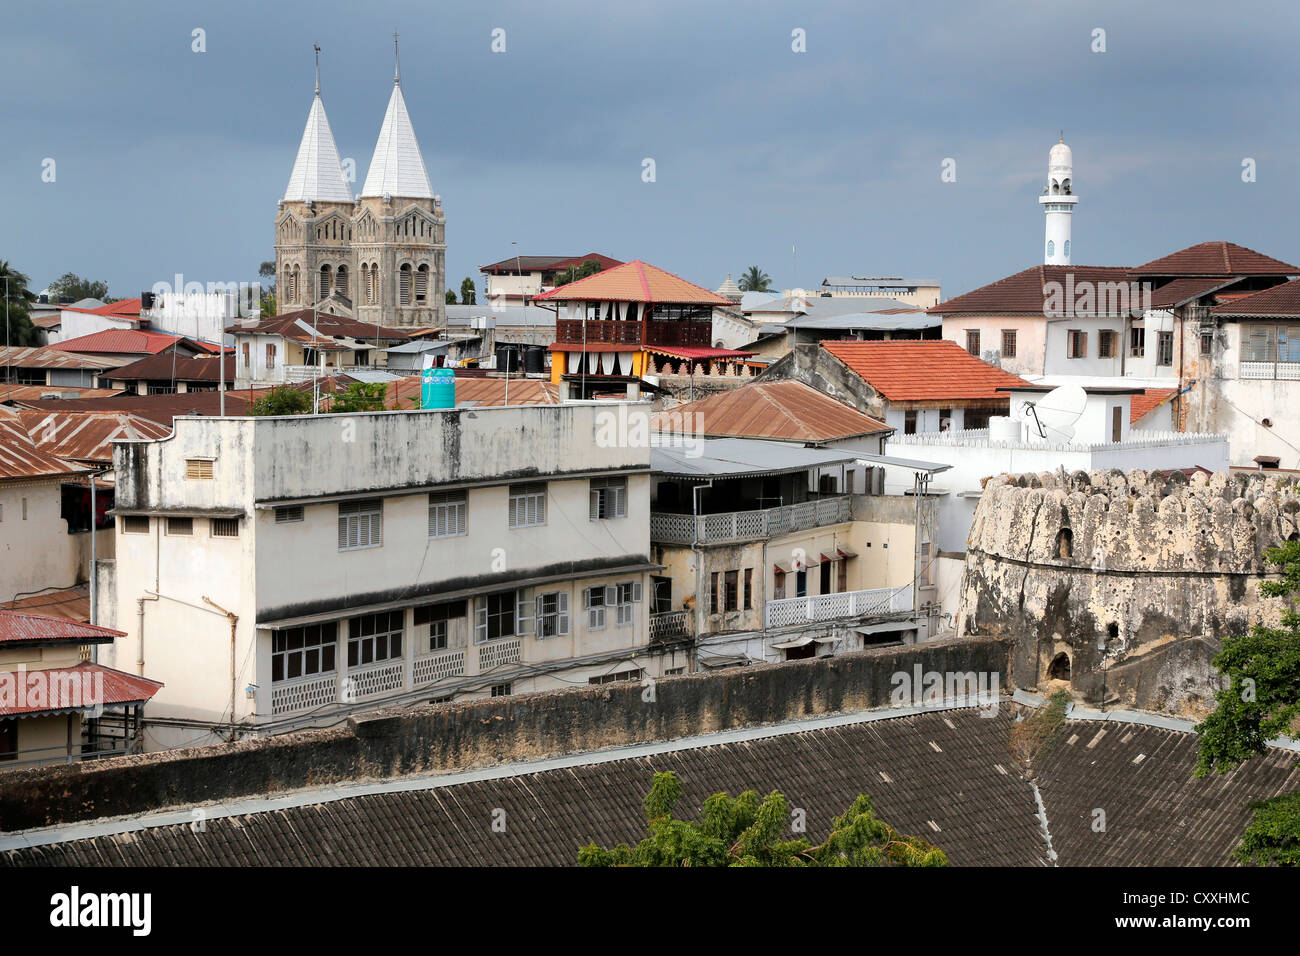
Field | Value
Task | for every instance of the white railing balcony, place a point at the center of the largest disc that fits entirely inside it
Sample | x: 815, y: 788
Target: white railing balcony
x: 1280, y: 371
x: 432, y: 668
x: 747, y: 525
x: 670, y: 625
x: 304, y: 693
x: 846, y: 604
x: 372, y: 680
x: 495, y: 653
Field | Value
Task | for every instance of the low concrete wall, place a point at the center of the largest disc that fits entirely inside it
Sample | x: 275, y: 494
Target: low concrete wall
x: 482, y: 732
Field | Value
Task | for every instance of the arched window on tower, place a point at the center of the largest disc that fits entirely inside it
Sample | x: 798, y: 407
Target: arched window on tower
x: 341, y: 281
x: 1056, y: 187
x: 422, y: 283
x: 1065, y: 187
x: 404, y: 284
x: 293, y: 284
x: 1066, y: 248
x: 323, y: 289
x: 374, y: 283
x: 1051, y: 248
x: 370, y: 283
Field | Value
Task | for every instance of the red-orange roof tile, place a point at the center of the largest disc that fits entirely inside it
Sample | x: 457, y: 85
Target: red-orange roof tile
x: 784, y: 411
x: 914, y: 370
x: 634, y: 281
x: 80, y: 687
x: 1026, y: 291
x: 1139, y: 405
x: 1216, y: 259
x: 1281, y: 299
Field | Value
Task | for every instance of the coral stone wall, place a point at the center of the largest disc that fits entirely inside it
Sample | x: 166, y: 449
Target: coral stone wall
x: 1136, y: 578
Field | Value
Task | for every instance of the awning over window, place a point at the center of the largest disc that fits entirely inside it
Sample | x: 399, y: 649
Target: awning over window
x: 788, y: 645
x: 839, y: 554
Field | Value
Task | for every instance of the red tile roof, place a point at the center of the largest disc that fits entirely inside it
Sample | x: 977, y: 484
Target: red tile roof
x: 1283, y: 300
x: 22, y: 626
x: 1025, y: 291
x: 914, y: 370
x: 1187, y: 288
x: 547, y: 263
x: 121, y: 309
x: 1216, y: 259
x: 634, y: 281
x: 693, y: 351
x: 81, y: 687
x: 121, y: 342
x: 157, y: 408
x: 784, y: 411
x: 173, y: 366
x: 287, y: 325
x: 1139, y: 405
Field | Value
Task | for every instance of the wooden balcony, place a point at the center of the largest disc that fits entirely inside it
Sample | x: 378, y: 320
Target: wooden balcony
x: 609, y: 332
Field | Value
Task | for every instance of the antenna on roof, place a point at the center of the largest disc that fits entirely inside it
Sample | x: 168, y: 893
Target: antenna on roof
x: 316, y: 46
x: 397, y: 62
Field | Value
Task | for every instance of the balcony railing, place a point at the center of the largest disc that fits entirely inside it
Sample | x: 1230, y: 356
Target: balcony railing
x: 598, y: 332
x: 495, y: 653
x: 846, y: 604
x: 435, y: 667
x: 670, y: 626
x: 732, y: 526
x: 1280, y: 371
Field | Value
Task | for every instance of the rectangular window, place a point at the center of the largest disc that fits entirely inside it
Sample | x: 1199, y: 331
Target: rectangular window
x: 608, y: 498
x: 627, y: 594
x: 436, y: 618
x: 749, y: 589
x: 181, y: 526
x: 502, y: 690
x: 713, y: 592
x: 1106, y: 343
x: 778, y: 585
x: 730, y: 591
x: 973, y: 342
x: 288, y: 513
x: 616, y: 677
x: 200, y: 468
x: 1008, y: 343
x: 909, y: 422
x: 1165, y: 349
x: 1137, y: 342
x: 1207, y: 343
x: 270, y: 355
x: 303, y: 651
x: 244, y: 351
x: 1259, y: 344
x: 225, y: 527
x: 135, y: 524
x: 552, y: 614
x: 593, y: 601
x: 1077, y: 346
x: 375, y: 637
x: 361, y: 524
x: 448, y: 514
x: 801, y: 584
x: 527, y: 505
x: 843, y: 566
x: 502, y: 614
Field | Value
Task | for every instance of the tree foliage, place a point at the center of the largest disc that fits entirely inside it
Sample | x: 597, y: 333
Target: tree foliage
x: 1273, y: 837
x: 751, y: 831
x: 574, y: 273
x: 467, y: 292
x: 1262, y: 698
x: 755, y: 279
x: 14, y: 306
x: 75, y: 287
x: 450, y: 296
x: 282, y: 401
x: 360, y: 397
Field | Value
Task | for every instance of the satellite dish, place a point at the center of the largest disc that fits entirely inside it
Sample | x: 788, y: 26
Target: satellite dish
x: 1052, y: 417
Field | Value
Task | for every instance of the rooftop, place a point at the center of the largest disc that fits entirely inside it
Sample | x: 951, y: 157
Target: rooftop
x: 310, y: 326
x: 66, y: 687
x: 40, y: 356
x: 175, y: 367
x: 122, y: 341
x: 1216, y: 259
x: 162, y: 408
x: 923, y: 370
x: 1026, y: 291
x: 784, y: 411
x: 734, y: 457
x: 515, y: 264
x: 634, y: 281
x: 24, y: 627
x: 82, y: 436
x: 21, y: 457
x: 396, y: 167
x: 1281, y: 300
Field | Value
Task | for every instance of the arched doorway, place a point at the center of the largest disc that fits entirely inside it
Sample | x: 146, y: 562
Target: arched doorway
x: 1059, y: 669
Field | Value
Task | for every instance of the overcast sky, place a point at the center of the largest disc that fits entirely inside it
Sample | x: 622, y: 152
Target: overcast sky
x: 172, y: 161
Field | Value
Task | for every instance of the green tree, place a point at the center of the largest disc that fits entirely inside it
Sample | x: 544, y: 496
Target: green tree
x: 75, y: 287
x: 14, y: 304
x: 467, y: 292
x: 1262, y: 698
x: 283, y: 401
x: 1273, y: 837
x: 574, y: 273
x: 269, y: 304
x: 749, y: 831
x: 360, y: 397
x: 755, y: 279
x: 451, y: 297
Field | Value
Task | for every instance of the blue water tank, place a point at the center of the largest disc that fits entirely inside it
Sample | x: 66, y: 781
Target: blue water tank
x: 438, y: 388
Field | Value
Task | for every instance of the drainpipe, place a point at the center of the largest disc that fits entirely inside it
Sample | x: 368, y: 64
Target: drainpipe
x: 699, y: 558
x: 139, y: 629
x: 234, y: 619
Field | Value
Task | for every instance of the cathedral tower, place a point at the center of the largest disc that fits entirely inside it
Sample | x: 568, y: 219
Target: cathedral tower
x: 1058, y: 202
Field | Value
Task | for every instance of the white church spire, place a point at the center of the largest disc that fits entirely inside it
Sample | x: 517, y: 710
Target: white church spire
x: 317, y: 173
x: 397, y: 168
x: 1058, y: 201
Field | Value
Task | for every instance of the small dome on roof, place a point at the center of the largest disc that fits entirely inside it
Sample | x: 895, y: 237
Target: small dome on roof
x: 1060, y: 156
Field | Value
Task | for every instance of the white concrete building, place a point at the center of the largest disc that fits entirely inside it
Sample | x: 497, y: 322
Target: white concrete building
x: 1058, y: 202
x: 282, y: 572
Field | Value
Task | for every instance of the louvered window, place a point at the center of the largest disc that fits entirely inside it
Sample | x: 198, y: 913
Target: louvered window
x: 361, y: 524
x: 341, y: 281
x: 422, y: 284
x: 552, y: 611
x: 199, y: 468
x: 594, y: 602
x: 225, y: 527
x: 404, y: 285
x: 448, y: 514
x: 288, y: 513
x: 527, y: 505
x: 608, y: 498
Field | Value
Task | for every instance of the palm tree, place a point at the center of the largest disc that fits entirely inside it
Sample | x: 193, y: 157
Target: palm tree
x: 14, y: 299
x: 755, y: 279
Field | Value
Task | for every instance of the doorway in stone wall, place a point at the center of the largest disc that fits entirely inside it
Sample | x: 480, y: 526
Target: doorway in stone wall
x: 1059, y: 669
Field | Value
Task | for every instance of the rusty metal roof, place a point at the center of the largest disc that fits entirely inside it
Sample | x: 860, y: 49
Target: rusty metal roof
x: 20, y: 626
x: 82, y: 687
x: 84, y: 436
x: 785, y: 411
x: 72, y: 604
x: 38, y: 356
x: 21, y: 458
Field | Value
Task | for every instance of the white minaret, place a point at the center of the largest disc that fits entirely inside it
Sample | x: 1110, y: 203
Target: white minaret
x: 1058, y: 201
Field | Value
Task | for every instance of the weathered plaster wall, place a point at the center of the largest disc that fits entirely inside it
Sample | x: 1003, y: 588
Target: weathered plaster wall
x: 1158, y: 572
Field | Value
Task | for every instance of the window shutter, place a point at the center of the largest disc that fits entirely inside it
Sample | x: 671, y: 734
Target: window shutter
x: 620, y: 500
x: 636, y: 592
x: 562, y: 612
x: 593, y: 510
x: 343, y: 532
x: 480, y: 619
x: 541, y: 506
x: 523, y: 617
x: 514, y: 518
x: 611, y: 595
x: 462, y: 517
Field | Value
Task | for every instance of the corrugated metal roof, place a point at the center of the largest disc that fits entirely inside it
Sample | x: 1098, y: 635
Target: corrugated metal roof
x: 78, y: 688
x: 785, y: 411
x: 733, y: 457
x: 72, y: 604
x: 19, y: 626
x: 162, y: 408
x: 84, y: 436
x: 21, y: 458
x: 40, y: 356
x: 120, y: 341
